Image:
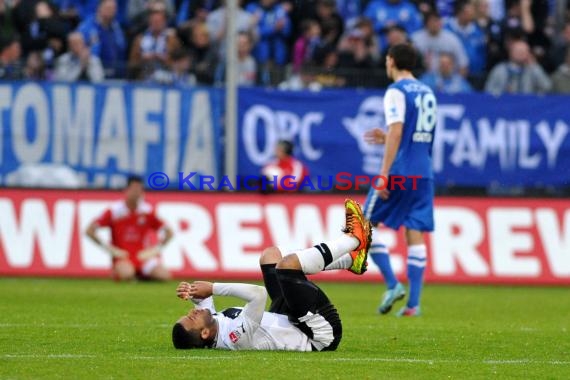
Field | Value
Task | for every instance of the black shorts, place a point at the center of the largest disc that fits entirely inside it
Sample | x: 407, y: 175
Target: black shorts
x: 306, y: 305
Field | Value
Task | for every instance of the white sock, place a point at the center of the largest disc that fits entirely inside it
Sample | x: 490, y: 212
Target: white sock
x: 313, y: 259
x: 341, y: 245
x: 344, y: 262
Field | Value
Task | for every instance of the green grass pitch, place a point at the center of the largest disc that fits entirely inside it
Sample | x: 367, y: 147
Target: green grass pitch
x: 91, y: 329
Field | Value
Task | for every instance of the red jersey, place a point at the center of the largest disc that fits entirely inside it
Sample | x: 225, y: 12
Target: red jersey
x: 131, y: 230
x: 290, y: 166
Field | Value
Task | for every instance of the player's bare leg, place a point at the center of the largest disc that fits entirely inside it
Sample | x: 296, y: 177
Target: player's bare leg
x: 123, y: 270
x: 271, y: 255
x: 159, y: 273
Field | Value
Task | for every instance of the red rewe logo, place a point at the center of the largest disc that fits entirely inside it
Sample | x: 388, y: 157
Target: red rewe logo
x: 234, y: 336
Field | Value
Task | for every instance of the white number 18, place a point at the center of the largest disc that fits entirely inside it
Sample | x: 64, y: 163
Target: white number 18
x: 426, y: 105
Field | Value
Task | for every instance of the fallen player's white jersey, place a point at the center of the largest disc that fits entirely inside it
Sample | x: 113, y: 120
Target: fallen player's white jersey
x: 275, y: 332
x: 253, y: 328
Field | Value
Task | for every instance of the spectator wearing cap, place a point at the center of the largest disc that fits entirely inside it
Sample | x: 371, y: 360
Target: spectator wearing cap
x: 79, y: 64
x: 446, y: 80
x: 10, y: 54
x: 151, y: 50
x: 433, y: 40
x: 385, y: 13
x: 464, y: 26
x: 519, y: 75
x: 105, y: 38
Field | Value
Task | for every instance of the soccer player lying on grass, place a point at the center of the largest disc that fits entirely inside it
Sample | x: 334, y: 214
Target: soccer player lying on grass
x: 301, y: 317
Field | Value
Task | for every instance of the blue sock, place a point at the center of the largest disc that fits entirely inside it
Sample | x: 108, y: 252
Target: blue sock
x: 416, y: 264
x: 381, y: 258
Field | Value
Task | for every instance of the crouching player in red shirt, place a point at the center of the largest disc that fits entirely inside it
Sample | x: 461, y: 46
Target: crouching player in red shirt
x: 131, y: 222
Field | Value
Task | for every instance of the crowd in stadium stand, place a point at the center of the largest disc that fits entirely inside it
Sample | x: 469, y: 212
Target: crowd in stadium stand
x: 498, y: 46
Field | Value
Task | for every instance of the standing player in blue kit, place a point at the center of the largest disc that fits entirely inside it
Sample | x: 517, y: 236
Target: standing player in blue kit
x: 410, y: 109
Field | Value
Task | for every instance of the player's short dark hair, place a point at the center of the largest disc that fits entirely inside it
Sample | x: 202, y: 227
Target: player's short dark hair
x: 134, y: 179
x: 404, y: 56
x: 183, y: 339
x: 287, y: 146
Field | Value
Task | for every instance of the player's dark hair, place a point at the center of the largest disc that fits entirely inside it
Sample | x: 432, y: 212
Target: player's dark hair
x: 134, y: 179
x: 184, y: 340
x: 287, y: 146
x: 404, y: 56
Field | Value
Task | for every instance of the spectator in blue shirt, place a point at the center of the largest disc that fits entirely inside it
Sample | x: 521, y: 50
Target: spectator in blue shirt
x: 446, y: 79
x: 386, y: 13
x: 350, y: 11
x: 464, y: 26
x: 104, y: 36
x: 274, y: 28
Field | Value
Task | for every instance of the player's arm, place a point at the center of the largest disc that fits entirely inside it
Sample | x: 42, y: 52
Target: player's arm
x: 375, y: 136
x: 394, y: 110
x: 393, y: 140
x: 254, y: 295
x: 153, y: 251
x: 91, y: 232
x: 183, y: 292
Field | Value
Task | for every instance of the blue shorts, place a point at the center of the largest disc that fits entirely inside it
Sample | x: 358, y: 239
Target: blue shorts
x: 410, y: 208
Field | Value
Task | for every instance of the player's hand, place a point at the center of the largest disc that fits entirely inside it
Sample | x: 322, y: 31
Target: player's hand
x: 375, y: 136
x: 117, y: 252
x: 148, y: 253
x: 183, y: 291
x: 201, y: 289
x: 384, y: 194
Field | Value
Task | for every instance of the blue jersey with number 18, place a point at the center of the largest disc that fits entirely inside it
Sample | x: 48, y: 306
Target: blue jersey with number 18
x: 412, y: 103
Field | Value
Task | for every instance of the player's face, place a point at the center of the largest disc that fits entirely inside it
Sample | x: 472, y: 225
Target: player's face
x: 134, y: 191
x: 389, y: 66
x: 196, y: 319
x: 279, y: 152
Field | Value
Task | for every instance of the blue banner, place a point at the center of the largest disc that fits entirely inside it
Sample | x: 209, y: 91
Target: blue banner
x: 105, y: 132
x: 480, y: 140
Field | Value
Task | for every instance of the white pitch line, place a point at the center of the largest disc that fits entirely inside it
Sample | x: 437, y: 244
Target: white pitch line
x: 77, y: 325
x: 312, y: 358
